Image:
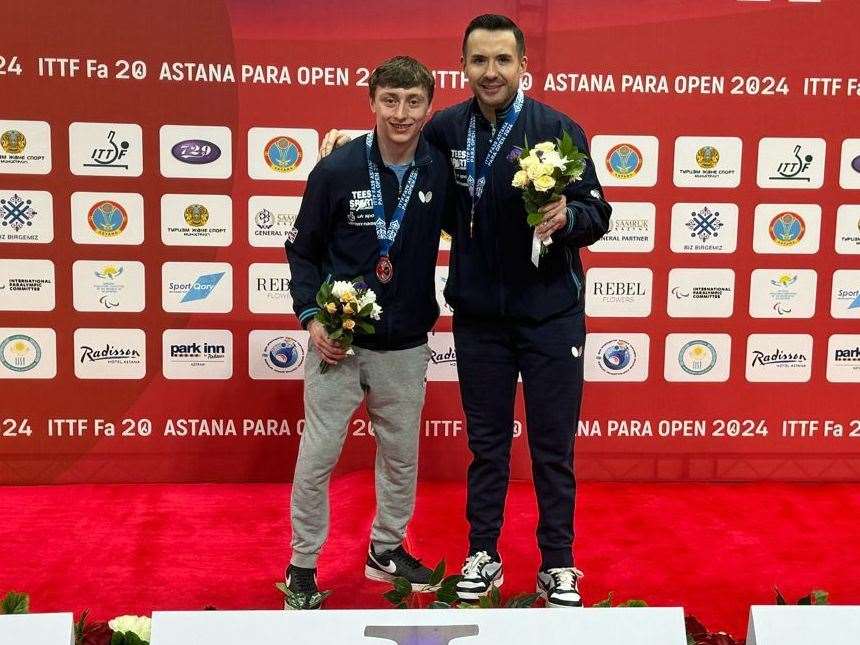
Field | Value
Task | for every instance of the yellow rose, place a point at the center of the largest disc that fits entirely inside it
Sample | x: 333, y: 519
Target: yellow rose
x: 546, y: 146
x: 348, y: 324
x: 331, y: 307
x: 530, y: 160
x: 544, y: 183
x: 539, y: 170
x: 347, y: 297
x: 347, y: 309
x: 521, y: 178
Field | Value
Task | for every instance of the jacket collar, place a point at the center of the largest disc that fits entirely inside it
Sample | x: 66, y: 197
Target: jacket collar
x: 422, y: 152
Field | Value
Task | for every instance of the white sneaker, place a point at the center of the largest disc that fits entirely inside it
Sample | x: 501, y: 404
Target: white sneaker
x: 480, y: 572
x: 560, y: 587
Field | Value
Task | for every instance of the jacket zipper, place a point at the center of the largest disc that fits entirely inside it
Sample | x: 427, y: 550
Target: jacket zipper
x: 569, y: 256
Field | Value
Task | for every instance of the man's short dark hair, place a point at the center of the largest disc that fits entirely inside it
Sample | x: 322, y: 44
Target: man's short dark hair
x: 496, y: 22
x: 401, y: 72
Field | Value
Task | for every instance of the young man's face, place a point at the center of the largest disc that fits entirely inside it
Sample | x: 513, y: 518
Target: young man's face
x: 400, y: 113
x: 493, y: 66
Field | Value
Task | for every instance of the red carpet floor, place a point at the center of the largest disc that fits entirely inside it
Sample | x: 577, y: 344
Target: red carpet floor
x: 715, y: 549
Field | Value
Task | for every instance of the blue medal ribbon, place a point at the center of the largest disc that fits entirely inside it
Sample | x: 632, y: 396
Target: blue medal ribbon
x: 477, y: 182
x: 386, y: 233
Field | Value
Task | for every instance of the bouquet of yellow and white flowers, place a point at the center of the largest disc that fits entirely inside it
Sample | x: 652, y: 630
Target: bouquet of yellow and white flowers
x: 545, y: 171
x: 346, y: 309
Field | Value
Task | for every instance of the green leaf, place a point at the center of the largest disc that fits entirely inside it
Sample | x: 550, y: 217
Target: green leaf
x: 117, y: 638
x: 495, y: 596
x: 436, y: 604
x: 402, y: 605
x: 633, y: 603
x: 804, y: 600
x: 606, y: 602
x: 438, y: 574
x: 522, y: 601
x: 484, y: 602
x: 364, y: 327
x: 282, y: 587
x: 820, y: 597
x: 447, y: 596
x: 534, y: 219
x: 691, y: 640
x: 393, y: 596
x: 337, y: 333
x: 364, y: 312
x: 403, y: 586
x: 15, y: 603
x: 780, y: 599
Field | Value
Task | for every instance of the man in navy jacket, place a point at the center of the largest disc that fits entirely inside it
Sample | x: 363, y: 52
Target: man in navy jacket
x: 510, y: 316
x: 372, y: 209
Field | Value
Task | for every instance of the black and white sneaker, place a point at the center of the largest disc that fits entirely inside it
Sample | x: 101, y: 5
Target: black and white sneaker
x: 480, y: 572
x: 398, y: 563
x: 301, y: 591
x: 560, y: 587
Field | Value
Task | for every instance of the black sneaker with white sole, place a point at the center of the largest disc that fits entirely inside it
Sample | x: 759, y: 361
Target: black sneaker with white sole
x: 301, y: 589
x: 398, y: 563
x: 480, y: 572
x: 560, y: 587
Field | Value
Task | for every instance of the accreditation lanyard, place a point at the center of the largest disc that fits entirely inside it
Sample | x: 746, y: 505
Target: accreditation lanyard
x: 386, y: 233
x: 477, y: 182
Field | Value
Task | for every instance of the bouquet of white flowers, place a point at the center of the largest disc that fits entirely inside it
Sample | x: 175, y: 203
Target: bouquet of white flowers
x: 346, y: 309
x: 545, y: 171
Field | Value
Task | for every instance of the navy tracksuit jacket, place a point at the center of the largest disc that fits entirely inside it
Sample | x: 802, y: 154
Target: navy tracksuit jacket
x: 512, y: 318
x: 335, y: 236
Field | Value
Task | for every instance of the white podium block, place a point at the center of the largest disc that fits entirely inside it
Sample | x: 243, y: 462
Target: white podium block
x: 37, y: 629
x: 804, y: 624
x: 617, y: 626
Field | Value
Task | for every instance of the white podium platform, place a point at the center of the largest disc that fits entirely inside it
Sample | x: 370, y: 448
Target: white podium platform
x: 804, y: 625
x: 37, y: 629
x: 617, y: 626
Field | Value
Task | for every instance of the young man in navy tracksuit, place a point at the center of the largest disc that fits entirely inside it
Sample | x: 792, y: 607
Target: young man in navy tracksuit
x: 373, y: 209
x: 510, y: 316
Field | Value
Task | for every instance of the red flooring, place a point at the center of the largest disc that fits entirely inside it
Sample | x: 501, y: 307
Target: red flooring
x: 715, y: 549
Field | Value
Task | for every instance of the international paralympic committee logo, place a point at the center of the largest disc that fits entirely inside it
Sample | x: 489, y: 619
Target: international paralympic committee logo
x: 616, y: 357
x: 787, y: 229
x: 196, y: 215
x: 697, y: 357
x: 283, y: 354
x: 107, y: 218
x: 283, y: 154
x: 13, y: 142
x: 624, y: 161
x: 20, y: 353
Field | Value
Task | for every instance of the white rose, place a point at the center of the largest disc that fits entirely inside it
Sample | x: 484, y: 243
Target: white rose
x: 341, y: 288
x: 368, y: 298
x: 546, y: 146
x: 375, y: 312
x: 555, y: 160
x: 140, y: 626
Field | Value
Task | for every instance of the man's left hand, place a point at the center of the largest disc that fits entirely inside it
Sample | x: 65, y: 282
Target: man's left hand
x: 554, y: 217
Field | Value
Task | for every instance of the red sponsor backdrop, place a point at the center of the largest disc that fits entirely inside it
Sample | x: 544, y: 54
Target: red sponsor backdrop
x: 722, y: 38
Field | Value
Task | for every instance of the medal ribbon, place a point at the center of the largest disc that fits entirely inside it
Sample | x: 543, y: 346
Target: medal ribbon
x: 477, y: 183
x: 386, y: 233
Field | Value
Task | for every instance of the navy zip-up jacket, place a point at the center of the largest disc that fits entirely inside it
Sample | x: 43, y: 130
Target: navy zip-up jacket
x: 335, y: 236
x: 491, y: 274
